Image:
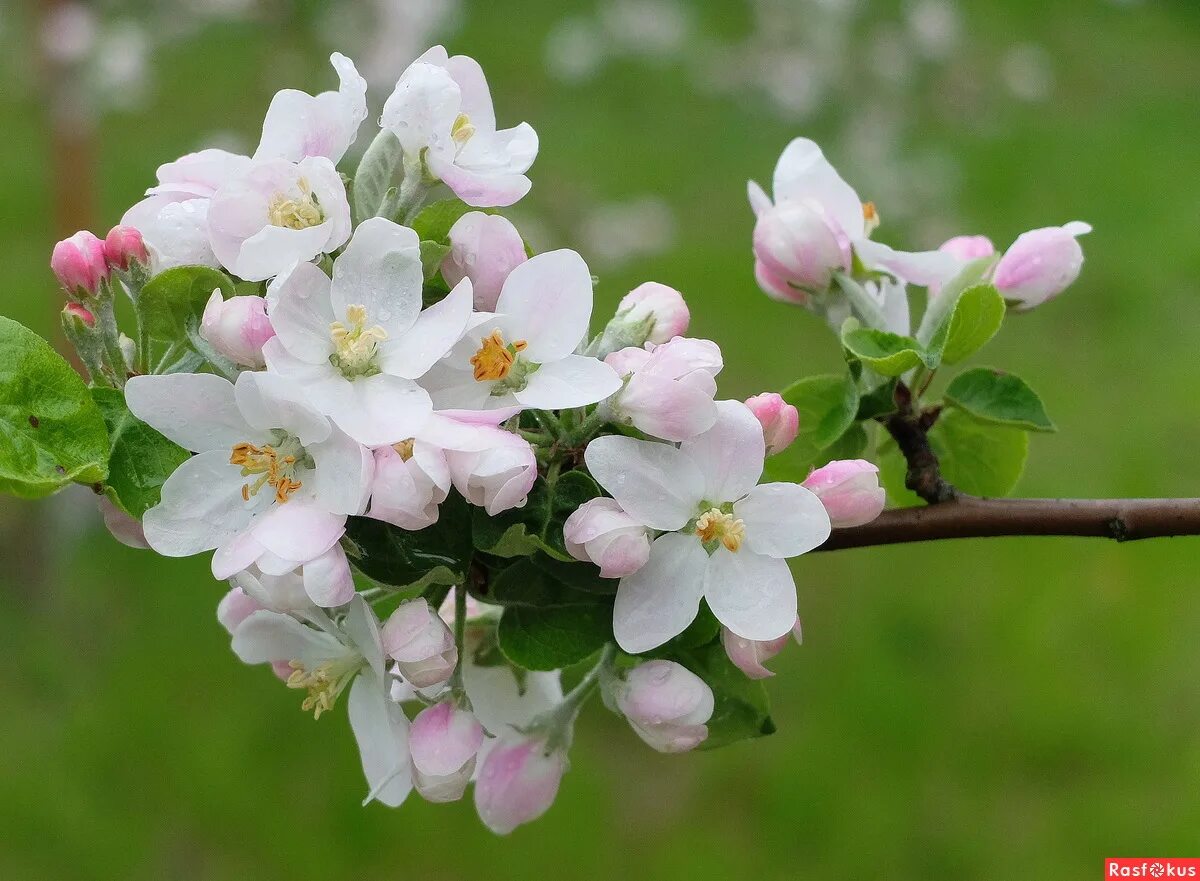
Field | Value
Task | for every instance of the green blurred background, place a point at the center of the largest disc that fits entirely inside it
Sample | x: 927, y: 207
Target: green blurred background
x: 971, y: 710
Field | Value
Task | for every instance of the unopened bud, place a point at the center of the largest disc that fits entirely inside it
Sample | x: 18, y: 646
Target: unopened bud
x: 123, y: 246
x: 420, y: 643
x: 79, y: 264
x: 780, y: 420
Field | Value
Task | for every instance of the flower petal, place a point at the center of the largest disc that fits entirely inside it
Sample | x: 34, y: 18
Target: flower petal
x: 381, y: 729
x: 782, y: 520
x: 730, y: 454
x: 299, y: 306
x: 431, y: 337
x: 198, y: 411
x: 380, y: 270
x: 344, y: 469
x: 661, y: 599
x: 547, y: 301
x: 201, y: 507
x: 803, y: 172
x: 752, y: 595
x: 573, y: 381
x: 265, y: 636
x: 274, y: 402
x: 655, y: 483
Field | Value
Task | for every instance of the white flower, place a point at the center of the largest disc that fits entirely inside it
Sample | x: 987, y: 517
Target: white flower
x: 325, y: 660
x: 277, y: 584
x: 298, y: 124
x: 442, y: 111
x: 725, y: 539
x: 356, y: 343
x: 523, y: 355
x: 272, y: 483
x: 276, y: 213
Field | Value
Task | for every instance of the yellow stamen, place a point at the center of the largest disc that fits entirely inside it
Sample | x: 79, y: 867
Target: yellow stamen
x: 275, y: 470
x: 462, y: 130
x: 495, y: 358
x: 404, y: 448
x: 324, y: 683
x: 295, y: 211
x: 355, y: 343
x: 717, y: 525
x: 870, y: 217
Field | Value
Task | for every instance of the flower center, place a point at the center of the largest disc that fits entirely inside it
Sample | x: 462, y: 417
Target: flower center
x: 462, y: 130
x: 870, y: 217
x: 495, y: 359
x: 297, y: 211
x: 355, y: 344
x: 324, y: 682
x: 275, y: 466
x: 717, y: 525
x: 404, y: 449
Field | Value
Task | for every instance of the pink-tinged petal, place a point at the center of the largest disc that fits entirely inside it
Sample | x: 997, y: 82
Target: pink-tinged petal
x: 344, y: 471
x: 264, y: 637
x: 381, y: 729
x: 659, y: 601
x: 779, y: 419
x: 849, y: 490
x: 235, y: 607
x: 381, y: 271
x: 482, y: 190
x: 198, y: 411
x: 919, y: 267
x: 125, y: 529
x: 572, y: 381
x: 667, y: 408
x: 967, y: 248
x: 422, y: 109
x: 730, y: 454
x: 433, y: 335
x: 752, y: 595
x: 201, y: 507
x: 273, y: 402
x: 1040, y: 264
x: 666, y: 704
x: 759, y: 200
x: 443, y: 738
x: 298, y: 124
x: 298, y: 531
x: 654, y: 483
x: 547, y: 301
x: 464, y: 430
x: 749, y: 655
x: 201, y: 173
x: 300, y: 311
x: 803, y: 173
x: 796, y: 243
x: 517, y: 783
x: 236, y: 554
x: 484, y: 248
x: 782, y: 520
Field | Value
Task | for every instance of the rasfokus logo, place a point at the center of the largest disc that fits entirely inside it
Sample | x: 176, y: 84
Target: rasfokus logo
x: 1151, y: 867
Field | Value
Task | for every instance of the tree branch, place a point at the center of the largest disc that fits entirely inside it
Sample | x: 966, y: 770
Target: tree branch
x: 971, y: 517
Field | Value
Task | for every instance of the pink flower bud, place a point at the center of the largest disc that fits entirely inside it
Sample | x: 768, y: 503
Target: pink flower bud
x: 969, y: 247
x: 125, y: 529
x: 663, y: 306
x: 1041, y: 264
x: 420, y: 643
x: 237, y: 328
x: 443, y: 742
x: 780, y: 420
x: 235, y: 607
x: 666, y: 704
x: 77, y: 310
x: 517, y: 782
x: 850, y: 491
x: 484, y: 248
x: 749, y: 655
x: 498, y: 478
x: 79, y: 264
x: 600, y: 532
x: 798, y: 248
x: 669, y: 388
x: 123, y: 245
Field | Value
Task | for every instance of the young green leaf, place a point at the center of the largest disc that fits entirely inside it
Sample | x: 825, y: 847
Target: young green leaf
x: 374, y: 175
x: 976, y: 317
x: 175, y: 299
x: 977, y: 457
x: 827, y: 406
x: 141, y: 459
x: 888, y: 354
x: 995, y: 396
x: 432, y: 254
x: 434, y: 222
x: 939, y: 306
x: 51, y: 432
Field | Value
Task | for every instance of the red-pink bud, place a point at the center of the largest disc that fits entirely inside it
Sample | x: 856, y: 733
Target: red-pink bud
x: 81, y: 312
x: 780, y: 420
x: 123, y: 245
x: 850, y: 491
x: 79, y: 264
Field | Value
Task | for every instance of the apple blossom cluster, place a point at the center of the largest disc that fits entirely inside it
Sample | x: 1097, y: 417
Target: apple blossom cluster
x: 434, y: 490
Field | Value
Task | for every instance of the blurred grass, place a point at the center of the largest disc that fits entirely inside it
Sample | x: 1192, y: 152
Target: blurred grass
x: 974, y: 710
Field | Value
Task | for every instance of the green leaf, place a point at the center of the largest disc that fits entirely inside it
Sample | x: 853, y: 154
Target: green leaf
x: 538, y: 525
x: 555, y: 637
x: 939, y: 306
x: 374, y: 175
x: 174, y: 300
x: 827, y: 406
x: 995, y: 396
x: 742, y: 709
x: 976, y: 317
x: 440, y: 553
x: 432, y: 254
x: 981, y: 458
x: 888, y: 354
x: 51, y: 432
x: 850, y: 445
x: 542, y: 582
x: 880, y: 401
x: 141, y: 459
x: 434, y: 222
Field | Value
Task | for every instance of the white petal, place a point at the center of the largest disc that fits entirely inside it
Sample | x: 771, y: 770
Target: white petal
x: 381, y: 270
x: 273, y: 249
x: 198, y: 411
x: 376, y: 410
x: 917, y: 267
x: 500, y: 702
x: 656, y: 484
x: 298, y: 531
x: 343, y: 473
x: 201, y: 507
x: 265, y: 636
x: 298, y: 303
x: 730, y: 454
x: 271, y: 402
x: 298, y: 124
x: 327, y: 579
x: 803, y: 172
x: 547, y: 300
x: 434, y: 334
x: 476, y: 96
x: 661, y: 599
x: 759, y: 200
x: 363, y: 629
x: 422, y: 109
x: 572, y: 381
x: 381, y: 729
x: 667, y: 408
x: 782, y: 520
x: 752, y: 595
